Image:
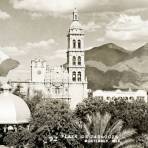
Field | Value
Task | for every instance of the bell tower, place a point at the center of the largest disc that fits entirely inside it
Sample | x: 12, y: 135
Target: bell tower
x: 76, y: 59
x: 75, y: 15
x: 75, y: 53
x: 38, y: 70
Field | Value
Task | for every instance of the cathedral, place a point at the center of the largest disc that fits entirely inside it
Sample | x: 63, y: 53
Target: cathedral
x: 67, y: 81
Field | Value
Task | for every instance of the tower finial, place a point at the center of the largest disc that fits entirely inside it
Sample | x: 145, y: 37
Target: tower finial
x: 75, y: 15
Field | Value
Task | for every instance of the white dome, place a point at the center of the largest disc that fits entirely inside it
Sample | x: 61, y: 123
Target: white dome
x: 75, y: 25
x: 13, y: 109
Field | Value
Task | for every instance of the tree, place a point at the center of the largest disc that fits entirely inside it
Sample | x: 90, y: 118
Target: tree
x: 17, y: 138
x: 17, y: 91
x: 34, y: 101
x: 133, y: 113
x: 115, y: 136
x: 52, y: 120
x: 143, y: 139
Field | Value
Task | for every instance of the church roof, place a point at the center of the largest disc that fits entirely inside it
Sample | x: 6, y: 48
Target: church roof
x: 75, y: 25
x: 59, y: 74
x: 13, y: 109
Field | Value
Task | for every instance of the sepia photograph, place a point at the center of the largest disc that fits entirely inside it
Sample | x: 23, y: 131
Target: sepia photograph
x: 73, y: 73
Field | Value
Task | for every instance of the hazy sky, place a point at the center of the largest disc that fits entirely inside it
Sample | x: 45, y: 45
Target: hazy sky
x: 38, y: 28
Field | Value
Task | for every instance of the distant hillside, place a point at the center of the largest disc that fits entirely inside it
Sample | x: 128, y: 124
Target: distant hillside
x: 109, y: 54
x: 7, y: 65
x: 107, y: 80
x: 109, y: 66
x: 142, y: 51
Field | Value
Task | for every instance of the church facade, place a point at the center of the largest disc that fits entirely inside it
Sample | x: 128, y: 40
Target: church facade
x: 67, y: 81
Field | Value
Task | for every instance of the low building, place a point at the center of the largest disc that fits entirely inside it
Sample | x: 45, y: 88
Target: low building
x: 119, y: 94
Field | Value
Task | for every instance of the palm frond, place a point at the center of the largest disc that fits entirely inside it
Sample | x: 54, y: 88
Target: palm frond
x: 86, y: 128
x: 121, y: 144
x: 104, y: 123
x: 96, y: 123
x: 115, y: 128
x: 133, y: 146
x: 126, y: 134
x: 99, y: 122
x: 89, y: 118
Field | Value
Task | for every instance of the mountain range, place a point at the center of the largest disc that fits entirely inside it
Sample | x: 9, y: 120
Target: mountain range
x: 110, y: 66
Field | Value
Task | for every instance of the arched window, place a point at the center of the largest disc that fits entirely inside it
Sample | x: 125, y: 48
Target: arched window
x: 57, y: 90
x: 74, y: 60
x: 76, y: 17
x: 74, y: 76
x: 79, y: 60
x: 79, y: 44
x: 74, y: 43
x: 79, y: 76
